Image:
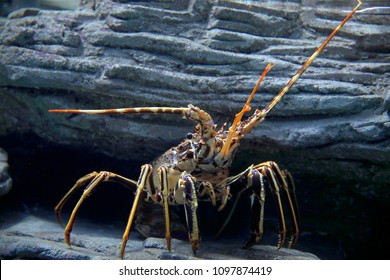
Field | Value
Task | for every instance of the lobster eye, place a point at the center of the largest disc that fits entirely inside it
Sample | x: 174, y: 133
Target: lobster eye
x: 189, y: 136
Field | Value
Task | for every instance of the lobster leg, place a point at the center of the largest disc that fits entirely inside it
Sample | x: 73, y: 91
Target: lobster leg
x: 80, y: 182
x: 295, y: 209
x: 256, y: 182
x: 274, y: 186
x: 164, y: 188
x: 187, y: 183
x: 279, y: 182
x: 146, y: 171
x: 206, y: 188
x: 95, y: 179
x: 228, y: 182
x: 225, y: 195
x: 285, y: 180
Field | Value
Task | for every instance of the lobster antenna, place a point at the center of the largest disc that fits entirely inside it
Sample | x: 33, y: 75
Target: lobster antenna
x: 139, y: 110
x: 309, y: 61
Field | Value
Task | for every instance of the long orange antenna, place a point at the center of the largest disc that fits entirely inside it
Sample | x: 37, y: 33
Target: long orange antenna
x: 309, y: 61
x: 139, y: 110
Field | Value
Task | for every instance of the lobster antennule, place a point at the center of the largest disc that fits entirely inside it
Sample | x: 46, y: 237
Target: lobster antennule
x: 237, y: 119
x: 139, y: 110
x: 292, y: 81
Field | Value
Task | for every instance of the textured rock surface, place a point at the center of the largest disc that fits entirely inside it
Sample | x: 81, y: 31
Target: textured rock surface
x: 5, y: 180
x: 332, y: 130
x: 35, y: 237
x: 207, y: 53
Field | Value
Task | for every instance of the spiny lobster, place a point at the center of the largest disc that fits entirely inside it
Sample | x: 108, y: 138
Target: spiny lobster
x: 198, y: 169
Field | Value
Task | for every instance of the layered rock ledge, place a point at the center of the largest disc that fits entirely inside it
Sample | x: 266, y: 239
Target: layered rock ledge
x: 332, y: 130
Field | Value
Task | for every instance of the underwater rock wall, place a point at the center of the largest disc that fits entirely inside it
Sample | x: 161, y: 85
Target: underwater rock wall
x: 5, y: 179
x: 207, y: 53
x: 332, y: 130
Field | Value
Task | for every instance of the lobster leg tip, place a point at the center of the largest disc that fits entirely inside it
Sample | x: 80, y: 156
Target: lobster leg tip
x: 169, y: 246
x: 195, y: 246
x: 67, y: 239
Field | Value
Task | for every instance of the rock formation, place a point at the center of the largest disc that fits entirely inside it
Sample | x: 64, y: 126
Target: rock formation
x: 332, y: 130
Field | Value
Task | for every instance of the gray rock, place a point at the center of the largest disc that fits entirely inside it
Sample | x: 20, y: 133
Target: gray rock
x: 119, y: 55
x: 154, y: 55
x: 5, y: 179
x: 331, y: 130
x: 35, y: 236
